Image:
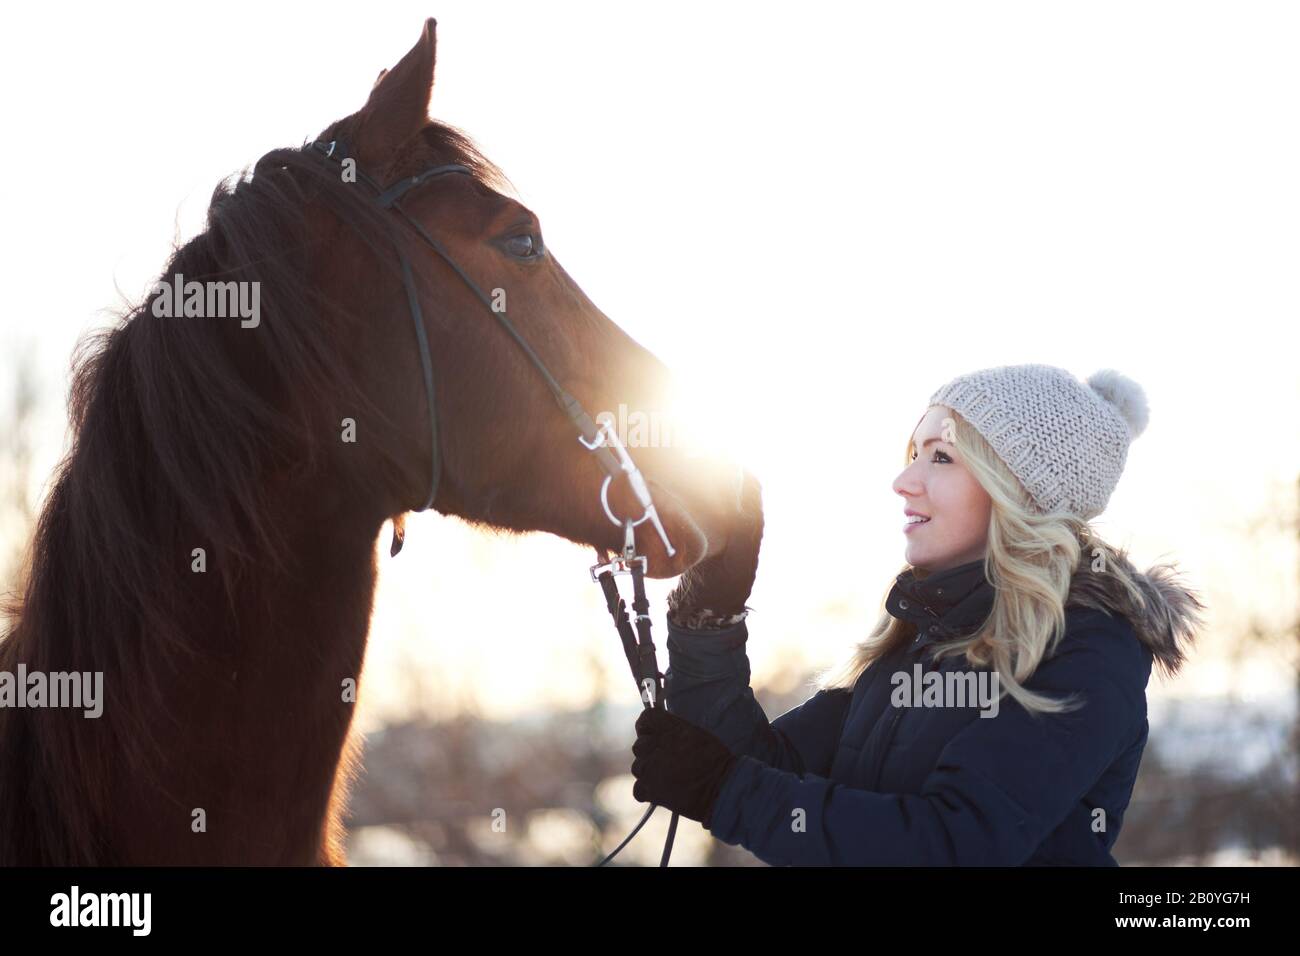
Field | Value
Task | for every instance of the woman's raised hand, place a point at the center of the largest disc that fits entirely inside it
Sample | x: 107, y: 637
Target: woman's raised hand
x: 719, y: 586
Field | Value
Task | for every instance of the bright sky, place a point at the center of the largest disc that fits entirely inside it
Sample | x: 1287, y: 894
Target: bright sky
x: 815, y: 213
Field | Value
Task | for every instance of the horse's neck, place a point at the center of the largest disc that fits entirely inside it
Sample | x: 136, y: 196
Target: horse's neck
x: 258, y: 749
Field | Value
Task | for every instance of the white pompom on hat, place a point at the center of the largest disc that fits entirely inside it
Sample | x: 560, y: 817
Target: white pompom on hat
x: 1066, y: 440
x: 1126, y: 395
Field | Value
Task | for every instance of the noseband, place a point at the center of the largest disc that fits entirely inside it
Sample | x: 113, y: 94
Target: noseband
x: 602, y: 441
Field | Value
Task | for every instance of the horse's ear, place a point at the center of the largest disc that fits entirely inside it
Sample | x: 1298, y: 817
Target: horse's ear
x: 382, y: 74
x: 399, y: 534
x: 399, y: 101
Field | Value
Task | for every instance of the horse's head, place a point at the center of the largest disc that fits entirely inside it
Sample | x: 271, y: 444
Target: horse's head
x: 509, y: 456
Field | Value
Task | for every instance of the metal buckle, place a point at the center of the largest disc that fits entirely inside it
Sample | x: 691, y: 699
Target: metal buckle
x: 619, y: 565
x: 623, y: 563
x: 637, y: 482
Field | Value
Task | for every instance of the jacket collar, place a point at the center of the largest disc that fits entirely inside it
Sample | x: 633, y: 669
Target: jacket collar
x: 1165, y: 614
x: 944, y: 604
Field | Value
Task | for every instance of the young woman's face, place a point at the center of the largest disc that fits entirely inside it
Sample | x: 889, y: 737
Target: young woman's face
x: 937, y: 484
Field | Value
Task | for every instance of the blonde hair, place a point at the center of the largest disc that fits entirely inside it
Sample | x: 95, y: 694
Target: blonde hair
x: 1031, y: 559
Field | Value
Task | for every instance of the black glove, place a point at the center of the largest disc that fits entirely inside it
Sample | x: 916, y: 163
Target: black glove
x: 679, y: 765
x: 719, y: 586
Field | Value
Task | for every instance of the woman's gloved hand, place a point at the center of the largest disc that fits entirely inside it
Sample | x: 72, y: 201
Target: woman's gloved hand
x: 717, y: 588
x: 679, y: 765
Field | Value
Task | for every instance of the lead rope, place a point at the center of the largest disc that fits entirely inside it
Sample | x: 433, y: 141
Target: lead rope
x: 639, y: 648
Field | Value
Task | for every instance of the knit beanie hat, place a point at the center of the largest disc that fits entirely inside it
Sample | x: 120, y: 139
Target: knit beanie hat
x: 1065, y: 440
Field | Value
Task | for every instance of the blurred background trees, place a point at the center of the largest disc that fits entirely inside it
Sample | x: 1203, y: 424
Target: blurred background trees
x: 19, y: 405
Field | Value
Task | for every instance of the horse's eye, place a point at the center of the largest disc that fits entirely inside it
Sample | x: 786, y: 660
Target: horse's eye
x: 525, y: 246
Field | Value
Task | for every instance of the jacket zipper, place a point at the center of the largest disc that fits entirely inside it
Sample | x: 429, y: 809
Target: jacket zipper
x: 889, y: 735
x: 884, y: 748
x: 893, y: 724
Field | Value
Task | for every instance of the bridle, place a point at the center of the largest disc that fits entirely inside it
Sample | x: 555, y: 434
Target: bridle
x: 602, y: 440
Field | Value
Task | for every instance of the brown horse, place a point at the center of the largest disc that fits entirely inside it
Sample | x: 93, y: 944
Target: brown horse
x: 208, y: 544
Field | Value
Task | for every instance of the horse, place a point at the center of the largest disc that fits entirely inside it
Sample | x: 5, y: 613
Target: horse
x: 208, y: 543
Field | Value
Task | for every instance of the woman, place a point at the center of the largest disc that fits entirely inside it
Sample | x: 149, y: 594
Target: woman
x: 903, y: 756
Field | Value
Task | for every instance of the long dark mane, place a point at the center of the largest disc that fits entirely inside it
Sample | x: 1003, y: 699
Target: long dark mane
x: 183, y: 431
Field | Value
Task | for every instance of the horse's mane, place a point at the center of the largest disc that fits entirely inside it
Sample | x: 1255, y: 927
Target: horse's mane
x: 176, y: 425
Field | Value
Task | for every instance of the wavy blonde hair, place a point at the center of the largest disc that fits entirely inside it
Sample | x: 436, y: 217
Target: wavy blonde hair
x: 1031, y: 559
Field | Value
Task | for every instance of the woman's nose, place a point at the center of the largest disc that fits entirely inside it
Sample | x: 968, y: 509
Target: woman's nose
x: 906, y: 484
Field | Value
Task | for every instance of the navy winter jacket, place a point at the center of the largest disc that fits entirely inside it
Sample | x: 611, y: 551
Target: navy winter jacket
x: 849, y: 779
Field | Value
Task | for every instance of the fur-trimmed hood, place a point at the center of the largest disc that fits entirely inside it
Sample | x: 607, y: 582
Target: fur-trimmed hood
x: 1165, y: 614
